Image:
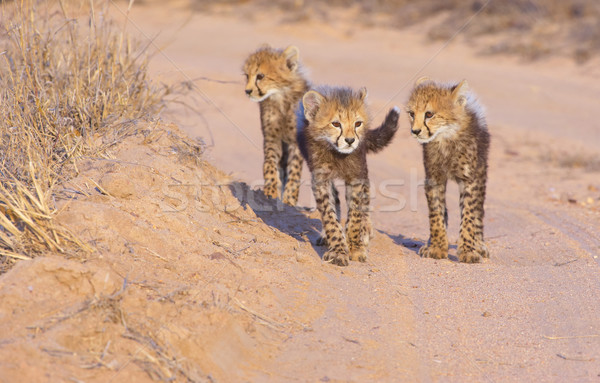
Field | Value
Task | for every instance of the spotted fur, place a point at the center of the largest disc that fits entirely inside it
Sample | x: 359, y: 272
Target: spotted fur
x: 274, y: 79
x: 449, y: 123
x: 334, y: 137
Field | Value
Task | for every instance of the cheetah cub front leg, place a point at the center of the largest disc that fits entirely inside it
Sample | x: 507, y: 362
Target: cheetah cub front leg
x: 335, y: 201
x: 337, y: 249
x: 471, y: 246
x: 272, y: 151
x: 358, y: 225
x: 437, y: 246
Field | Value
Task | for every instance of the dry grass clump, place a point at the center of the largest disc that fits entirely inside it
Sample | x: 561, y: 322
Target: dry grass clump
x: 68, y: 88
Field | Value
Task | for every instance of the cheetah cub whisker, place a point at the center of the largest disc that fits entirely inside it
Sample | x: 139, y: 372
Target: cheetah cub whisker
x: 450, y: 124
x: 334, y: 138
x: 274, y: 79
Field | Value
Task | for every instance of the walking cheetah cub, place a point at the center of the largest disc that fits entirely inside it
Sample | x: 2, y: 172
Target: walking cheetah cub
x: 274, y: 79
x: 334, y: 137
x: 448, y: 121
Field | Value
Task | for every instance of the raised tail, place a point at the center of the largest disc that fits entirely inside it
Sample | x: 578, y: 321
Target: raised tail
x: 379, y: 138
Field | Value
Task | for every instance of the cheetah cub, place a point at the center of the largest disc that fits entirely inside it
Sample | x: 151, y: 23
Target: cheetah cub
x: 334, y: 137
x: 274, y: 79
x: 449, y: 123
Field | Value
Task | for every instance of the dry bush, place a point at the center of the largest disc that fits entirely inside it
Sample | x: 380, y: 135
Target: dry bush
x: 68, y: 88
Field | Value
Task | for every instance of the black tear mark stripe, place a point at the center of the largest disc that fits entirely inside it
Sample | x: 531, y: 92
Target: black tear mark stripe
x: 425, y: 123
x: 341, y: 132
x: 260, y: 92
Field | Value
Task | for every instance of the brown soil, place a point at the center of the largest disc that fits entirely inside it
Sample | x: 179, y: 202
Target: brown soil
x: 198, y: 277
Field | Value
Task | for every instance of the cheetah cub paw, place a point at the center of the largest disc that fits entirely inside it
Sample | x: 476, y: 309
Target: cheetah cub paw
x: 359, y: 254
x: 429, y: 251
x: 336, y: 258
x: 272, y: 191
x: 289, y: 199
x: 473, y: 256
x: 322, y: 240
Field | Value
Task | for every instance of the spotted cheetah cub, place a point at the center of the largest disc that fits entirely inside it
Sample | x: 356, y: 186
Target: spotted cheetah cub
x: 334, y: 137
x: 449, y: 123
x: 274, y: 79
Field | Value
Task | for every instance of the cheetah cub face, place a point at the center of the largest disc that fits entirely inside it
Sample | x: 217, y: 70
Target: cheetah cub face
x: 270, y: 72
x: 435, y: 113
x: 341, y: 123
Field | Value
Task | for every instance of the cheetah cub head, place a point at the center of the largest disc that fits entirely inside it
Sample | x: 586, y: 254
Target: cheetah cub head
x: 338, y: 116
x: 437, y: 111
x: 270, y: 72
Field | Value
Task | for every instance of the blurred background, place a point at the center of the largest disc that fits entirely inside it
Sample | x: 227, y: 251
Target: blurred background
x: 530, y: 29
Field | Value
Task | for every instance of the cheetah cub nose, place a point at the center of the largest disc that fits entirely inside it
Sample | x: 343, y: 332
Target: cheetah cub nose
x: 248, y: 91
x: 349, y: 140
x: 416, y: 132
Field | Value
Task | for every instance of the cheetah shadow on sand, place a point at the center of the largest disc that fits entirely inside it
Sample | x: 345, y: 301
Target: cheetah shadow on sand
x: 293, y: 221
x: 414, y: 244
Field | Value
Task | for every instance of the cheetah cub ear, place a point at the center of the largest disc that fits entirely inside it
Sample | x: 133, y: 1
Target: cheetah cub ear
x: 362, y: 92
x: 292, y: 54
x: 460, y: 93
x: 421, y: 80
x: 311, y: 102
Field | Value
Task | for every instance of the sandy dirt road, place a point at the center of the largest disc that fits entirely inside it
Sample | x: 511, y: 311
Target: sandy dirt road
x: 529, y: 313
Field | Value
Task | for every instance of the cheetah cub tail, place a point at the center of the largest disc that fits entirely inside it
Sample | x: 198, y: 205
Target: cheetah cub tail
x: 379, y: 138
